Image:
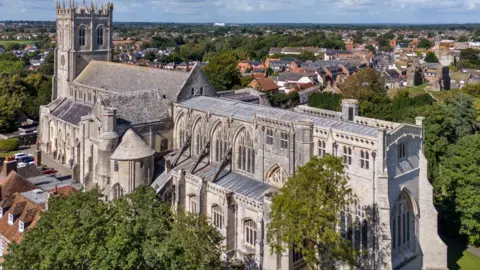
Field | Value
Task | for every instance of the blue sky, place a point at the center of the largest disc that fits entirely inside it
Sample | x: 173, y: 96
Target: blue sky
x: 266, y: 11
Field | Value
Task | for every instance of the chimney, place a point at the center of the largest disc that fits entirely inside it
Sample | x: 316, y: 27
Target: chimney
x: 38, y: 155
x: 9, y: 165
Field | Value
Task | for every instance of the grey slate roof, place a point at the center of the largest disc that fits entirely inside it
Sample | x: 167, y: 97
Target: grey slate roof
x: 231, y: 181
x: 71, y: 111
x: 244, y: 186
x: 246, y: 112
x: 138, y: 107
x: 123, y: 78
x: 132, y: 147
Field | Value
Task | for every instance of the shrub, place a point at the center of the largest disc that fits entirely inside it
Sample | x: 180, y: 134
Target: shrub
x: 9, y: 145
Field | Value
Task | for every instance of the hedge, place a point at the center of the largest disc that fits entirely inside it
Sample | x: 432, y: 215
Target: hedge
x: 9, y: 145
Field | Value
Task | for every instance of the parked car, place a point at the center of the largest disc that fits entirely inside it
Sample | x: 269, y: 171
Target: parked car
x: 19, y: 155
x: 48, y: 171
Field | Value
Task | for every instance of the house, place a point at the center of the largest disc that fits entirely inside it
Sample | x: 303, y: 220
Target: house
x: 459, y: 79
x: 337, y: 54
x: 294, y: 65
x: 244, y: 66
x: 264, y: 85
x: 282, y: 64
x: 274, y: 51
x: 305, y: 93
x: 21, y: 212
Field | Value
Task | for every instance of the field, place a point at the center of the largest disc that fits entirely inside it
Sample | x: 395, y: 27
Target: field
x: 6, y: 42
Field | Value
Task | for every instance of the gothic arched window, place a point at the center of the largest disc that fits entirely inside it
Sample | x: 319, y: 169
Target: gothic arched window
x: 245, y: 152
x: 117, y: 191
x: 100, y: 36
x: 403, y: 225
x: 182, y: 131
x: 354, y: 225
x: 81, y: 36
x: 277, y: 176
x: 199, y: 136
x: 220, y: 139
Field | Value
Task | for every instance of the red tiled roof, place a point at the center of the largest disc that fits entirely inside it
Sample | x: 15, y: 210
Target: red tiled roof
x: 13, y: 183
x: 26, y: 211
x: 266, y: 84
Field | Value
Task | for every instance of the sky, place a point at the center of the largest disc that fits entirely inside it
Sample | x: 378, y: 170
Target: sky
x: 265, y: 11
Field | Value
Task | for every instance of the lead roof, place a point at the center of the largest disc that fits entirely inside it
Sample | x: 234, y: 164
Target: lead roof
x: 246, y: 112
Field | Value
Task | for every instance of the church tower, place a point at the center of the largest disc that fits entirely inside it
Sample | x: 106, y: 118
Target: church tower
x: 84, y: 33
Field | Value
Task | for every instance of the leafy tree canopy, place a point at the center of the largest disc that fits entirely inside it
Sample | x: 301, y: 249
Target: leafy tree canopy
x: 222, y: 71
x: 134, y: 232
x: 304, y: 213
x: 457, y: 184
x: 431, y: 58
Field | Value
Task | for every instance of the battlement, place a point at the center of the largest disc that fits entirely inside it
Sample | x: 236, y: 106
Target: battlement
x: 105, y: 9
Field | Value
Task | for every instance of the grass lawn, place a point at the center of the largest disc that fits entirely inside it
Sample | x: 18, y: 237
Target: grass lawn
x: 7, y: 154
x: 5, y: 42
x: 461, y: 259
x: 420, y: 89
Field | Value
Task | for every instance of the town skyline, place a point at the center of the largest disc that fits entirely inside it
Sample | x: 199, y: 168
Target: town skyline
x: 265, y: 11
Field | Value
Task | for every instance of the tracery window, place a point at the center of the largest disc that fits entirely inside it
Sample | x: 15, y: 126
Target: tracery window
x: 81, y: 36
x: 347, y: 155
x: 200, y: 138
x: 170, y: 196
x: 217, y: 216
x: 403, y: 225
x: 100, y: 36
x: 220, y: 139
x: 277, y: 176
x: 364, y: 159
x: 245, y: 152
x: 182, y: 131
x: 322, y: 148
x: 117, y: 191
x: 354, y: 225
x: 250, y: 232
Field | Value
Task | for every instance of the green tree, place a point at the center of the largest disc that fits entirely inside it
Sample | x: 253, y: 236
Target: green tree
x: 469, y: 58
x: 222, y: 71
x: 305, y: 213
x: 457, y: 184
x: 424, y: 43
x: 367, y: 86
x: 462, y: 38
x: 431, y: 58
x: 307, y: 55
x: 134, y: 232
x: 327, y: 101
x: 371, y: 48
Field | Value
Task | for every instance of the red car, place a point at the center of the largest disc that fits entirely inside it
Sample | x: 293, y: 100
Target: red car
x: 48, y: 171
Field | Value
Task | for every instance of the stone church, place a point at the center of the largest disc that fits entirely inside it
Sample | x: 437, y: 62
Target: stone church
x: 112, y: 124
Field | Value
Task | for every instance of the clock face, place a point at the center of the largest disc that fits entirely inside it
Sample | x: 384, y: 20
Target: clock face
x: 62, y: 60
